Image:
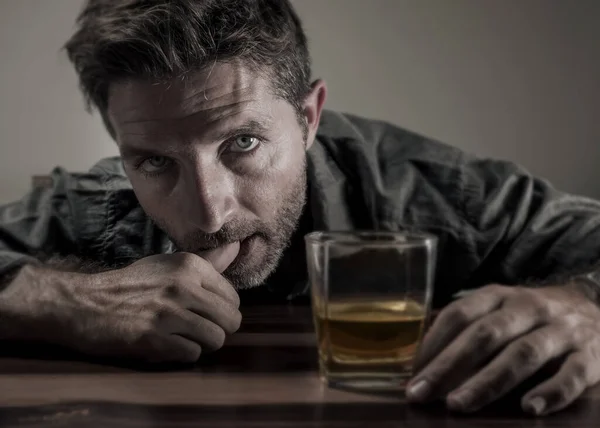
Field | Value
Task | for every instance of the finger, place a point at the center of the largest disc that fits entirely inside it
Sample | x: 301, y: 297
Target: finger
x: 183, y: 349
x: 517, y: 362
x: 222, y: 256
x: 215, y: 282
x: 211, y: 280
x: 212, y: 307
x: 579, y: 371
x: 454, y: 319
x: 193, y: 327
x: 174, y: 349
x: 470, y: 350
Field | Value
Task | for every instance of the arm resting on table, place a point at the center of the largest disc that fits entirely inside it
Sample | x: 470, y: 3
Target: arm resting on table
x: 525, y: 229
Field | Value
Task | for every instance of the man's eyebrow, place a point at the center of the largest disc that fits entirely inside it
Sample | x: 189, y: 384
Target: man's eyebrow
x: 134, y: 151
x: 248, y: 127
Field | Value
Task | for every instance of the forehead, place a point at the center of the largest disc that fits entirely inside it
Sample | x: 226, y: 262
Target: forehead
x: 209, y: 95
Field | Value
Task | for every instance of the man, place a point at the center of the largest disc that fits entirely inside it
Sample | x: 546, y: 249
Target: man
x: 228, y: 158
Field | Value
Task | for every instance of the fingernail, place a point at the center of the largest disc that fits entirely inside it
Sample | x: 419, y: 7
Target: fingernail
x: 536, y: 405
x: 419, y: 390
x: 459, y: 400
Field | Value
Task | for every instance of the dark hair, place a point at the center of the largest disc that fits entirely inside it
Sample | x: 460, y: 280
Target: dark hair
x: 162, y: 39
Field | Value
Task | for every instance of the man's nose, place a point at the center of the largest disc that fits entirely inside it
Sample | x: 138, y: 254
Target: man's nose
x: 212, y: 198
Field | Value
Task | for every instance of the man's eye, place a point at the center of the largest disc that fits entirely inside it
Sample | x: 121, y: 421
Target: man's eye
x: 154, y: 164
x: 244, y: 143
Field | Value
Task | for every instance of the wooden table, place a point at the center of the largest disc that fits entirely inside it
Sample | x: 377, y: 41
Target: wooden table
x: 264, y: 377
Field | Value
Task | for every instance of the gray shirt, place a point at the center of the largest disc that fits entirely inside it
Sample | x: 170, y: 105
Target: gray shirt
x: 496, y: 223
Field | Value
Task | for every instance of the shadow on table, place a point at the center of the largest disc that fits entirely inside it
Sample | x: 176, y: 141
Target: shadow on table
x: 504, y: 412
x: 34, y: 358
x: 104, y: 414
x: 20, y: 358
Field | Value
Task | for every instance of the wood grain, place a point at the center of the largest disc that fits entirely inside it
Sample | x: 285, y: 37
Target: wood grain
x: 265, y: 376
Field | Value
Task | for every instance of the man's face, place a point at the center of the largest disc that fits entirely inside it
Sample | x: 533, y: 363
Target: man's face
x: 216, y: 159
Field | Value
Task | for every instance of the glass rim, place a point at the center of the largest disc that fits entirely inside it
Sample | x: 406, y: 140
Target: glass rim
x: 371, y: 238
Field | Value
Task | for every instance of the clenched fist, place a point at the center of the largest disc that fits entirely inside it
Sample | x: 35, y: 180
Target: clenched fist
x: 485, y: 344
x: 164, y: 308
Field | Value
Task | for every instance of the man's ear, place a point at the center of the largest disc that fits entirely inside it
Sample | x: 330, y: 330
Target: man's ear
x: 313, y: 106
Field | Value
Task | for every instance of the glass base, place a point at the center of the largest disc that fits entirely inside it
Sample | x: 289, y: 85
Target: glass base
x: 367, y: 382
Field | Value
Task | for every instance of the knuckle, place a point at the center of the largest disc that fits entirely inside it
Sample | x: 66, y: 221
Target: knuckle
x: 571, y: 387
x: 201, y: 264
x: 572, y: 322
x: 579, y: 371
x: 545, y: 337
x: 529, y: 353
x: 190, y: 354
x: 486, y: 336
x: 150, y: 325
x: 458, y: 315
x: 593, y: 351
x: 540, y: 307
x: 187, y: 260
x: 152, y: 318
x: 141, y: 333
x: 148, y: 343
x: 509, y: 378
x: 497, y: 384
x: 500, y: 379
x: 481, y: 394
x: 213, y: 336
x: 494, y: 289
x: 184, y: 258
x: 584, y: 334
x: 172, y: 291
x: 542, y: 311
x: 218, y: 338
x: 178, y: 279
x: 506, y: 319
x: 179, y: 259
x: 235, y: 323
x: 436, y: 372
x: 236, y: 299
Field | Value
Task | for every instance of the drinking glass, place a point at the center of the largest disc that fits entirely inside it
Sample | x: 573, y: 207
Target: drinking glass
x: 371, y: 296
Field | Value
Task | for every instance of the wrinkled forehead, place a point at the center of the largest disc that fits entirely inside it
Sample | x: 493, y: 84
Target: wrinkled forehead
x: 216, y: 91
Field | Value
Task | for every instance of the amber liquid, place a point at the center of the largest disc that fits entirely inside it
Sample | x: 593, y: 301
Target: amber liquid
x: 370, y: 340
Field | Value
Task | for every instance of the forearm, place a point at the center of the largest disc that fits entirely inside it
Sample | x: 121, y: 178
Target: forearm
x: 523, y: 230
x: 27, y: 291
x: 16, y: 321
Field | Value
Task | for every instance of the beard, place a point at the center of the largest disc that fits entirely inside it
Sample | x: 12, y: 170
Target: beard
x: 262, y: 243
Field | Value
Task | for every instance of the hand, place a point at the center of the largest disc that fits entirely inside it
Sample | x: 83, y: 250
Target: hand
x: 485, y: 344
x: 164, y: 308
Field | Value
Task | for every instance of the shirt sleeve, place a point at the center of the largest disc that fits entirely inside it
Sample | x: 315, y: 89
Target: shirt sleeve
x: 495, y: 221
x: 522, y: 228
x: 67, y: 219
